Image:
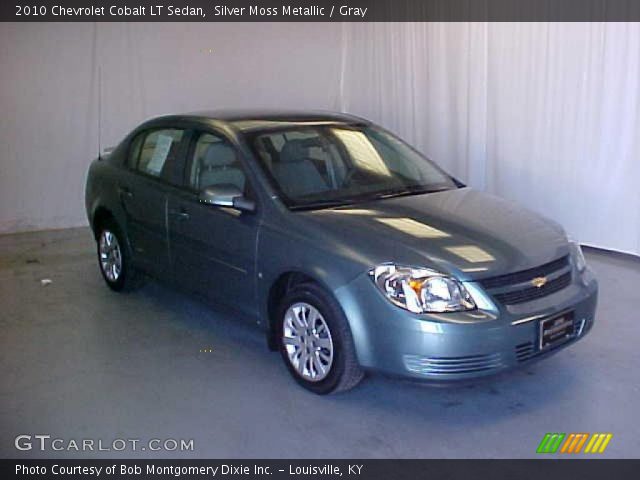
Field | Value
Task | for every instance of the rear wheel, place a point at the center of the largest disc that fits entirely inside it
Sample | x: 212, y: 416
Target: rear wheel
x: 114, y: 259
x: 316, y: 342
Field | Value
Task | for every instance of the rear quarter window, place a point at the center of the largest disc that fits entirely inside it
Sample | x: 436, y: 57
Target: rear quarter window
x: 134, y: 150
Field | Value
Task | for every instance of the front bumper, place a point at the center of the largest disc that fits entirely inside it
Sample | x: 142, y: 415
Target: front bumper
x: 462, y: 345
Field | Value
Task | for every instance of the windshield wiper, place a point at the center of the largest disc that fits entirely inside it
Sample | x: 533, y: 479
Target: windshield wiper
x: 367, y: 197
x: 411, y: 190
x: 322, y: 204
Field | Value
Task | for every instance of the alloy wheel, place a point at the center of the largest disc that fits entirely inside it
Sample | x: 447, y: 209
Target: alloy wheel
x: 308, y: 341
x: 110, y: 256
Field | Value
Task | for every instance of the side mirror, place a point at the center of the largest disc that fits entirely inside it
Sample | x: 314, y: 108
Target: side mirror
x: 226, y: 196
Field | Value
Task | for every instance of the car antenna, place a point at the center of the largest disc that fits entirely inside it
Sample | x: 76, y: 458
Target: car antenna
x: 99, y: 111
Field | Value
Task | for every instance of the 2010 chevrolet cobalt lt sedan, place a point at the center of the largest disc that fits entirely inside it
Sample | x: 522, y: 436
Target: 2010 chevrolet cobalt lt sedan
x: 350, y: 249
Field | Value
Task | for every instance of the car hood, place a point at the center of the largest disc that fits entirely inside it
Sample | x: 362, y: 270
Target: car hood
x: 463, y: 232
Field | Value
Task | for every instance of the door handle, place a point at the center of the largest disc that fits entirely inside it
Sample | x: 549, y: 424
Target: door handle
x: 181, y: 215
x: 125, y: 192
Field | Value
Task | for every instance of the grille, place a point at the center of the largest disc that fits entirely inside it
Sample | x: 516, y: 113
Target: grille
x: 452, y: 365
x: 531, y: 293
x: 525, y: 275
x: 525, y: 351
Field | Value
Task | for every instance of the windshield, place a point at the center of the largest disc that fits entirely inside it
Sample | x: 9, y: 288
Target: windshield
x: 319, y: 166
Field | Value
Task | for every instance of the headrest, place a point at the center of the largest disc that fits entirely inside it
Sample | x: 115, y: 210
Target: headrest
x: 293, y: 151
x: 219, y: 155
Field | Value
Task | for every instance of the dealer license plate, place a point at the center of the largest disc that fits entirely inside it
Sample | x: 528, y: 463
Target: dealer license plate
x: 556, y: 330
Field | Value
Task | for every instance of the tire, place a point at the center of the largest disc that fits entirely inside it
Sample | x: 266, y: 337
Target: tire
x: 125, y: 278
x: 326, y: 332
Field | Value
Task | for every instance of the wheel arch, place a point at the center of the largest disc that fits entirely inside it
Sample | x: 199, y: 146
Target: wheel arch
x: 284, y: 282
x: 100, y: 216
x: 103, y: 214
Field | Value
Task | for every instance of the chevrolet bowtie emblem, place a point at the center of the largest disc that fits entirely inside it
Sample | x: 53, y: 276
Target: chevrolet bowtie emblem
x: 539, y: 282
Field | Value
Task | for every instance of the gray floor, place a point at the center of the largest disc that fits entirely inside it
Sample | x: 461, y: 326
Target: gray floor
x: 78, y: 361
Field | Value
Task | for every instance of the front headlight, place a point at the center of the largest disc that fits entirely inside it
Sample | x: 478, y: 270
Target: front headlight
x: 578, y: 256
x: 421, y: 290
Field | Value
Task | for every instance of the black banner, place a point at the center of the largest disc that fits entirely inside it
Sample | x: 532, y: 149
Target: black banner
x: 320, y: 10
x: 542, y: 469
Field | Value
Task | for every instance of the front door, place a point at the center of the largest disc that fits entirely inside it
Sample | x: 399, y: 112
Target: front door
x: 213, y: 248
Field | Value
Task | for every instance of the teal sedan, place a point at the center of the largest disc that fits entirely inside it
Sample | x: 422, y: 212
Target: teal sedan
x: 347, y: 247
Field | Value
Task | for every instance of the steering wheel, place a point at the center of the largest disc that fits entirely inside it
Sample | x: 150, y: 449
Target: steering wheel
x: 346, y: 181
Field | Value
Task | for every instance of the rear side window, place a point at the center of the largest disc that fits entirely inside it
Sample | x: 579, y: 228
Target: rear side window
x: 151, y: 152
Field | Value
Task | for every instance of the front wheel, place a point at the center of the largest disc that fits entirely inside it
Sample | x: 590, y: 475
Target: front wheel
x: 316, y: 342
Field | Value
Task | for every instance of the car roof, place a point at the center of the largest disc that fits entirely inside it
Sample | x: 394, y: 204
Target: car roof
x: 250, y: 120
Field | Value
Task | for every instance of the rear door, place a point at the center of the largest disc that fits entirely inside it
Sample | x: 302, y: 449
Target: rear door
x: 213, y: 249
x: 144, y: 191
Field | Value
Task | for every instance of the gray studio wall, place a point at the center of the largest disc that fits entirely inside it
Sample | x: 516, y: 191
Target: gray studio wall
x: 545, y: 114
x: 52, y: 75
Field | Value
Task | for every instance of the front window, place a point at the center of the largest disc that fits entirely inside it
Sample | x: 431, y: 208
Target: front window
x: 215, y: 163
x: 319, y: 166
